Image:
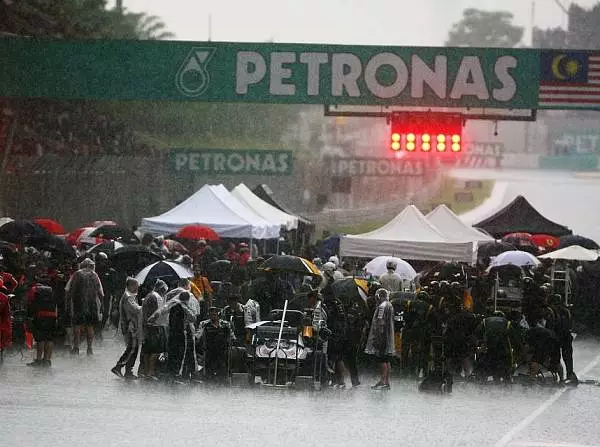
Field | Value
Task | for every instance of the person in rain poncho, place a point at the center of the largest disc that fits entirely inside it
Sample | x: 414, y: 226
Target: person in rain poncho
x: 84, y: 302
x: 153, y: 337
x: 184, y: 285
x: 391, y: 281
x: 129, y: 311
x: 380, y: 342
x: 181, y: 351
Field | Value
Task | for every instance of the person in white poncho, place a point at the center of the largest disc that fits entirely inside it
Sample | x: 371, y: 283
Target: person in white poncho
x: 380, y: 342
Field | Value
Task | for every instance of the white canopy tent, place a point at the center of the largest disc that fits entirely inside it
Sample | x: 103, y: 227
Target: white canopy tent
x: 269, y: 229
x: 408, y: 236
x: 453, y: 228
x: 572, y: 253
x: 216, y: 208
x: 264, y: 209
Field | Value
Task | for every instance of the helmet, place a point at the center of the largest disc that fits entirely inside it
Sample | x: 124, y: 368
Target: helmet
x: 434, y: 285
x: 499, y: 313
x: 555, y: 299
x: 328, y: 267
x: 423, y: 296
x: 102, y: 256
x: 501, y: 294
x: 391, y: 265
x: 444, y: 284
x: 528, y: 281
x: 374, y: 287
x: 455, y: 285
x: 334, y: 259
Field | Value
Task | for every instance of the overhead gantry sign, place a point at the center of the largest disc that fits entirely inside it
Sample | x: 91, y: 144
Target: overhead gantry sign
x: 300, y: 74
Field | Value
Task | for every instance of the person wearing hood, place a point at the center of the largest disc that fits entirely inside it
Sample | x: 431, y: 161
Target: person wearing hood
x: 153, y: 337
x: 380, y: 342
x: 184, y: 285
x: 181, y: 351
x: 130, y: 312
x: 84, y: 295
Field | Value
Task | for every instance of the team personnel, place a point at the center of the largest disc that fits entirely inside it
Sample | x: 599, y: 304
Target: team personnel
x: 391, y: 281
x: 42, y: 313
x: 562, y: 324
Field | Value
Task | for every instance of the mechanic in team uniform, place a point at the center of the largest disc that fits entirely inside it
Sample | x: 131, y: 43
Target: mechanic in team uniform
x: 416, y: 334
x: 495, y: 336
x: 561, y: 325
x: 337, y: 324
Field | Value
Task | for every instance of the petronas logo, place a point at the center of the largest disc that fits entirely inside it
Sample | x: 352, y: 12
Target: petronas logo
x: 192, y: 77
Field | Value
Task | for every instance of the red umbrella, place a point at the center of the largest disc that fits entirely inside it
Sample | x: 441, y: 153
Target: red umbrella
x: 51, y: 226
x: 197, y: 232
x: 545, y: 241
x: 100, y: 223
x: 518, y: 239
x: 73, y: 237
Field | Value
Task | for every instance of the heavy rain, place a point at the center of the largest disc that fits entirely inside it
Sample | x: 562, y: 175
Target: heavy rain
x: 270, y: 223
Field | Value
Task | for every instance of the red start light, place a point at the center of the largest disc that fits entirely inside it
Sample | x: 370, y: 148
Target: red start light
x: 417, y: 133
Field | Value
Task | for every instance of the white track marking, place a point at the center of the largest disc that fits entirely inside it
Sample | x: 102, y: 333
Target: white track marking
x: 541, y: 409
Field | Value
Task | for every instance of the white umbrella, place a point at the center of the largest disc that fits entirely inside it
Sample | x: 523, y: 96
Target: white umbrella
x: 164, y: 270
x: 572, y: 253
x: 514, y: 257
x: 377, y: 267
x: 5, y: 220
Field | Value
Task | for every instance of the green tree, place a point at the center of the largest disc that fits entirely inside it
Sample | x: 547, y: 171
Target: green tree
x: 583, y: 32
x: 550, y: 38
x: 479, y: 28
x: 584, y: 27
x: 77, y: 19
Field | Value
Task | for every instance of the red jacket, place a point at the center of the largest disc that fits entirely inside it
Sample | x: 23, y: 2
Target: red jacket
x: 9, y: 282
x: 5, y: 323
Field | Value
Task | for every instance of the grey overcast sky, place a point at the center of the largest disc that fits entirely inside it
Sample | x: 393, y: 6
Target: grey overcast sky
x: 368, y: 22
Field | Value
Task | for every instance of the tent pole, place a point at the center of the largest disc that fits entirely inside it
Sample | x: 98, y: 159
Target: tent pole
x: 496, y: 292
x: 279, y: 341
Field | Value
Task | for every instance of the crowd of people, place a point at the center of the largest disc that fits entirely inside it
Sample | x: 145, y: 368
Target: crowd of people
x: 182, y: 329
x: 68, y: 129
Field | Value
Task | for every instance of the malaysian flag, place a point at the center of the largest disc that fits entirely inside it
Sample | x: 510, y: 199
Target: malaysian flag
x: 569, y: 80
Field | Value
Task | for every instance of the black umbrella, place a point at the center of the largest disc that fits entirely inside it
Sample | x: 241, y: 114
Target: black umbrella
x: 51, y: 243
x: 115, y: 232
x: 444, y: 271
x: 133, y: 258
x: 487, y: 250
x: 166, y: 270
x: 18, y: 231
x: 219, y: 270
x: 350, y: 291
x: 567, y: 241
x: 290, y: 264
